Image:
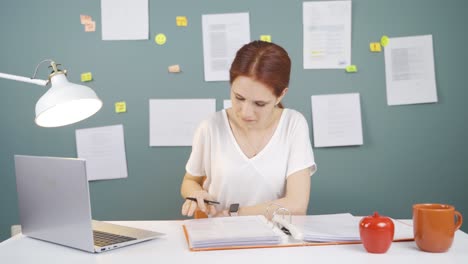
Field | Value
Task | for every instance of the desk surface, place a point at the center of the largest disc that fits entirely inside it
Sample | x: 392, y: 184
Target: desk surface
x: 173, y: 249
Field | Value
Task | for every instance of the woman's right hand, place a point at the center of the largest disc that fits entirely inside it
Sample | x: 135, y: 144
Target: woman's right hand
x: 189, y: 207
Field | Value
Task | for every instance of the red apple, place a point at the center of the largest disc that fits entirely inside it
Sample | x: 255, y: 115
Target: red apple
x: 376, y: 233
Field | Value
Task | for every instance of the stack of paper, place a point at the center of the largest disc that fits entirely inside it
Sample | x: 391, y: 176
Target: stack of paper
x: 328, y: 228
x: 232, y: 231
x: 334, y: 228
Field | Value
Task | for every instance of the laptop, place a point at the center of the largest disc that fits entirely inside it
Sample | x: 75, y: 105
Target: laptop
x: 54, y: 206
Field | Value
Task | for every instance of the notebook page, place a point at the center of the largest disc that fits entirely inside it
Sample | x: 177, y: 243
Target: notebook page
x: 231, y: 231
x: 326, y: 228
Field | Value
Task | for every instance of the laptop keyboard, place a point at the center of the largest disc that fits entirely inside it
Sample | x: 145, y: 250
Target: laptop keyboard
x: 102, y: 239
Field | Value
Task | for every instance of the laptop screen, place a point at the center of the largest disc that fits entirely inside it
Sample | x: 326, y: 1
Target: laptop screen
x: 53, y: 200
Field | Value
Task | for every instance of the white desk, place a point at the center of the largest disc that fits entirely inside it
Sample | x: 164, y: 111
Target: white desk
x: 173, y: 249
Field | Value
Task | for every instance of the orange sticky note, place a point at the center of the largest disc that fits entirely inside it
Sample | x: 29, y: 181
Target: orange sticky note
x: 266, y: 38
x: 181, y: 21
x: 375, y: 47
x: 174, y: 68
x: 86, y: 77
x: 120, y: 107
x: 85, y: 19
x: 90, y: 27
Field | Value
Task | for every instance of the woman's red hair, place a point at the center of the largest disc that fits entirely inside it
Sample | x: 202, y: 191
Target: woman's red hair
x: 264, y: 62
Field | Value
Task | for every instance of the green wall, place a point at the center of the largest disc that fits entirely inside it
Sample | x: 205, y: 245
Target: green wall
x: 411, y: 153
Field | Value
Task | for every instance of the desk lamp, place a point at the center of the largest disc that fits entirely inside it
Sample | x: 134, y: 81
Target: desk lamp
x: 65, y: 102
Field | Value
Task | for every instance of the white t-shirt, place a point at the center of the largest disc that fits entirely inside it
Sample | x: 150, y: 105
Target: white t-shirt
x: 234, y: 178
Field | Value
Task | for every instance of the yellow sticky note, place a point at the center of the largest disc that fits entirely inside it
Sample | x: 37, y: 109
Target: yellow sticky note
x: 120, y: 107
x: 384, y: 40
x: 375, y: 47
x: 351, y: 68
x: 181, y: 21
x: 266, y: 38
x: 86, y: 77
x: 160, y: 39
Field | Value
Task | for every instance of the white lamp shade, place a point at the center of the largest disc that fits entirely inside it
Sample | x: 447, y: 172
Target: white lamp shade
x: 66, y: 103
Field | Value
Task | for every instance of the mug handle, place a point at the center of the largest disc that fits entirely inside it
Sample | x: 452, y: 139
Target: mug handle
x: 459, y: 220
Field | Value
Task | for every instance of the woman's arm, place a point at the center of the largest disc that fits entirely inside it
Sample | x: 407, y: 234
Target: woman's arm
x: 296, y: 199
x: 191, y: 184
x: 192, y: 187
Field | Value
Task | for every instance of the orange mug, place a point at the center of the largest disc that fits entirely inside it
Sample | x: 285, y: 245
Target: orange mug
x: 434, y: 226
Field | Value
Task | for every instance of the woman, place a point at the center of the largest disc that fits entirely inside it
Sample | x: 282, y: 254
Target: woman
x: 256, y: 154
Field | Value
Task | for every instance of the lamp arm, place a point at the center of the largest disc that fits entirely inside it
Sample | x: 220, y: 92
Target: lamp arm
x: 33, y: 79
x: 23, y: 79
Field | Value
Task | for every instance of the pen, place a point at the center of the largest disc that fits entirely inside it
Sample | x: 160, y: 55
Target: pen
x: 206, y: 201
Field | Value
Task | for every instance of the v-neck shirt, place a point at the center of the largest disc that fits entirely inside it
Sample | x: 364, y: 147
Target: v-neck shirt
x: 232, y: 177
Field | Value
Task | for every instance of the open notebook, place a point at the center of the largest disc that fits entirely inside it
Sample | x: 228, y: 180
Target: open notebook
x: 333, y: 228
x: 256, y: 231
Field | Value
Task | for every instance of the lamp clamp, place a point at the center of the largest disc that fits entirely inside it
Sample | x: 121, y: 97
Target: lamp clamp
x: 56, y: 70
